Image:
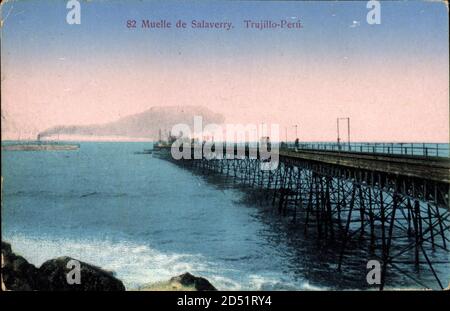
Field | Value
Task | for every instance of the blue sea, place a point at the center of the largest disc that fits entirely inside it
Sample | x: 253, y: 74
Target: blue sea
x: 147, y: 220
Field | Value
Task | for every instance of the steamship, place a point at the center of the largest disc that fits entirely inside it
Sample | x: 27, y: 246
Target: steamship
x: 39, y: 145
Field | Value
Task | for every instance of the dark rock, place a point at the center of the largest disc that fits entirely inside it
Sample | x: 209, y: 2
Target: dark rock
x: 53, y: 277
x: 198, y: 283
x: 17, y: 273
x: 6, y: 248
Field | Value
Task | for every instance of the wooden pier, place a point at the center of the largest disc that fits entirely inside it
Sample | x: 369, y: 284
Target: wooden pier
x: 394, y: 206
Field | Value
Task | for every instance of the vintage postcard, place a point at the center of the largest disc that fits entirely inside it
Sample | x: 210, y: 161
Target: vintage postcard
x: 225, y: 145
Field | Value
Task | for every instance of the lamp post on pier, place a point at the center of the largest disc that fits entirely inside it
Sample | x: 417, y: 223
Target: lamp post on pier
x: 348, y: 131
x: 296, y: 137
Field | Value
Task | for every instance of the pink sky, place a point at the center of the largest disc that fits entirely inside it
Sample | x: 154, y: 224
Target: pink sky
x: 392, y: 79
x: 386, y: 102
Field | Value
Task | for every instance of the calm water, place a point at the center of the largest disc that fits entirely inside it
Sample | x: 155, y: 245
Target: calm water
x: 147, y: 220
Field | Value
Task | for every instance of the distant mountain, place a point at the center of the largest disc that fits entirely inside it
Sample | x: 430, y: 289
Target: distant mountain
x: 141, y: 125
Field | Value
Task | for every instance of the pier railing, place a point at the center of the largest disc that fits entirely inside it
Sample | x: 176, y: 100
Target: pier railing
x: 411, y: 149
x: 427, y: 150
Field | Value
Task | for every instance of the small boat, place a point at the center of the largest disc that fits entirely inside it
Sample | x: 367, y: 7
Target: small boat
x: 39, y: 146
x: 146, y: 151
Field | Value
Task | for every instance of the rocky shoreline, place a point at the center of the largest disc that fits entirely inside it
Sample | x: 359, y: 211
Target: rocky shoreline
x: 17, y: 274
